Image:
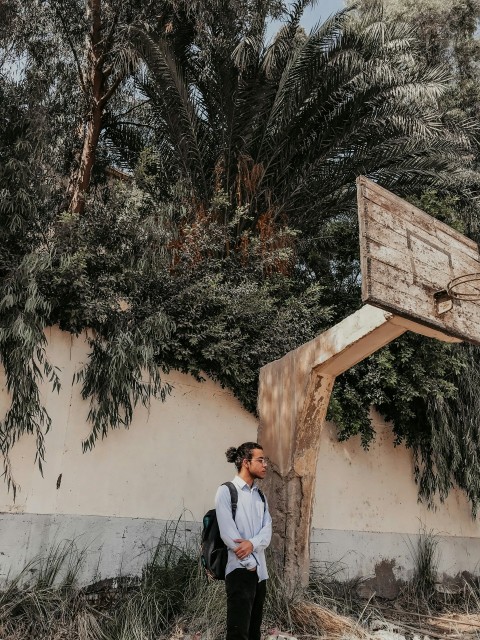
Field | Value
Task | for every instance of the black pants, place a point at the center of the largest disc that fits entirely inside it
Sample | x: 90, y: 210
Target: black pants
x: 245, y: 598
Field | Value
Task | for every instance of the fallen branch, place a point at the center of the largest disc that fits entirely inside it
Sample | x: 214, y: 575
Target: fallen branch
x: 424, y: 616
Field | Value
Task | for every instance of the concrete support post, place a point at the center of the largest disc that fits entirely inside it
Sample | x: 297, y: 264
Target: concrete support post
x: 294, y: 393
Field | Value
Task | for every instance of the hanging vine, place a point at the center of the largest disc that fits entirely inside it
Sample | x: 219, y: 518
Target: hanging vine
x: 114, y: 378
x: 24, y: 314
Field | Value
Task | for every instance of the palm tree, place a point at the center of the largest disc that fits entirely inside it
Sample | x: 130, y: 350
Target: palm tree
x: 283, y: 128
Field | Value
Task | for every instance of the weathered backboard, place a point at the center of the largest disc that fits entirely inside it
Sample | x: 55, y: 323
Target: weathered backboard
x: 409, y: 259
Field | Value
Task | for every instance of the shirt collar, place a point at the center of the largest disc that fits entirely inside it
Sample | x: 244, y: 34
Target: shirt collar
x: 241, y: 484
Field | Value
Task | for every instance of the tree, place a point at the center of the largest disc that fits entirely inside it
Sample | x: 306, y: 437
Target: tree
x: 85, y: 60
x: 105, y: 65
x: 446, y: 32
x: 283, y: 129
x: 280, y: 131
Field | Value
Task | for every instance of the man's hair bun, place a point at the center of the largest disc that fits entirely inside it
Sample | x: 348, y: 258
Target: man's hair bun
x: 231, y: 453
x: 243, y: 452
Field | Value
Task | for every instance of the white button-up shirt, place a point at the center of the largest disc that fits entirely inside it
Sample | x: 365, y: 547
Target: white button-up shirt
x: 252, y: 522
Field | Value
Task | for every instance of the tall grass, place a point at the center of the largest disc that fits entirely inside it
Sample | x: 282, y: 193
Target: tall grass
x: 172, y: 598
x: 42, y: 601
x: 425, y: 555
x: 153, y: 605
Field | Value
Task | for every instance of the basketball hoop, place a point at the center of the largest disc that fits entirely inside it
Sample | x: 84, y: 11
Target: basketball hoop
x: 466, y: 287
x: 407, y: 258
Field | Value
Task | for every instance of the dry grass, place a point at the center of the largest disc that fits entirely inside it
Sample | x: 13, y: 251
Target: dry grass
x: 316, y: 619
x: 172, y: 599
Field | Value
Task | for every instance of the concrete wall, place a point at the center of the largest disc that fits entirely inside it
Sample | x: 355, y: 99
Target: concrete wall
x: 366, y: 511
x: 117, y: 501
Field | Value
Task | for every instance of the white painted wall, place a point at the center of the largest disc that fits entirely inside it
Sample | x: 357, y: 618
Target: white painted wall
x: 374, y: 490
x: 171, y: 459
x: 366, y: 510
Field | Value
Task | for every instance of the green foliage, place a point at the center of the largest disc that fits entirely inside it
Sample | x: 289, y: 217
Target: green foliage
x: 230, y: 324
x: 186, y: 304
x: 113, y: 378
x: 444, y: 207
x: 448, y: 453
x: 24, y: 310
x: 96, y: 282
x: 284, y: 128
x: 24, y: 314
x: 398, y: 380
x: 429, y: 392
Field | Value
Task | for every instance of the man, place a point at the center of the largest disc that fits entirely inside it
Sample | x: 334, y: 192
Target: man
x: 246, y: 538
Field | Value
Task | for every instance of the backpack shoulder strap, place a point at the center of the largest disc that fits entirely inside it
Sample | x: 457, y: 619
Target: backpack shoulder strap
x: 262, y: 496
x: 233, y: 497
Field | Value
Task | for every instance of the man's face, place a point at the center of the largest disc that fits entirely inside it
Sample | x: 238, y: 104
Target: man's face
x: 257, y: 465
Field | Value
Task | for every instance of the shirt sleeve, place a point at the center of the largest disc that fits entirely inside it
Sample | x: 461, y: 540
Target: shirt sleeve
x: 227, y: 526
x: 263, y: 537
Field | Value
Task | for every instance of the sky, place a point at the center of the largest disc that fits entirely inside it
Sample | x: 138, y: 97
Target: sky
x: 313, y: 15
x: 320, y: 12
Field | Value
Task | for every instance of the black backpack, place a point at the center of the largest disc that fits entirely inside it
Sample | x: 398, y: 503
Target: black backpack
x: 214, y: 553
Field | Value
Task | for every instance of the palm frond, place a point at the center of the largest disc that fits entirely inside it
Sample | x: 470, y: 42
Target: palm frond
x: 179, y: 103
x: 285, y: 126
